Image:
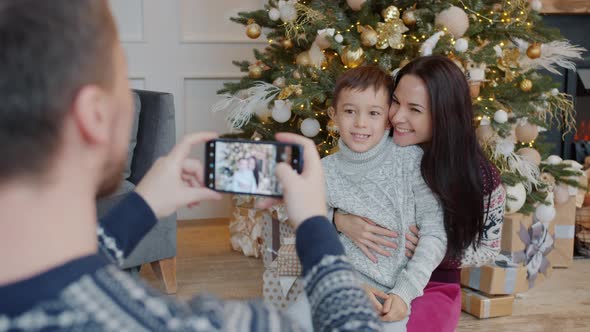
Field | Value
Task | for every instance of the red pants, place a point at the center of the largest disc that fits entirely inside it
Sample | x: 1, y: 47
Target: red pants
x: 438, y: 310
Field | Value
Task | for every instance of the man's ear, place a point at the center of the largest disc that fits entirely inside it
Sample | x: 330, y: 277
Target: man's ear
x: 331, y: 112
x: 90, y: 114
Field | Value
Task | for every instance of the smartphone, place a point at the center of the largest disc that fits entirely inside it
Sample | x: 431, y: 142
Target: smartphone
x: 248, y: 167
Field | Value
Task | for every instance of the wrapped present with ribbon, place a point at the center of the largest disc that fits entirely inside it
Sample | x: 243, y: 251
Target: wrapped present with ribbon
x: 563, y: 230
x: 280, y: 291
x: 494, y: 279
x: 246, y: 230
x: 287, y: 261
x: 485, y: 306
x: 514, y: 224
x: 539, y: 244
x: 276, y: 232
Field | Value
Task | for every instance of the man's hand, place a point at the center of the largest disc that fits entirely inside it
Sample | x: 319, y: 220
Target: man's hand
x: 394, y: 309
x: 304, y: 194
x: 175, y: 180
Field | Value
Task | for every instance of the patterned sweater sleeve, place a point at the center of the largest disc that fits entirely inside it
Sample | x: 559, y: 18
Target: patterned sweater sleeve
x: 433, y: 240
x: 338, y: 303
x: 121, y: 229
x: 494, y: 200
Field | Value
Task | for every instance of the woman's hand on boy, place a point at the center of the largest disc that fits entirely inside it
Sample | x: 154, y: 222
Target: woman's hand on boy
x: 367, y: 235
x: 394, y: 309
x: 412, y: 239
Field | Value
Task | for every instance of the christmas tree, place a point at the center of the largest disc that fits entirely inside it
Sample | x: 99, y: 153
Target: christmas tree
x: 502, y: 47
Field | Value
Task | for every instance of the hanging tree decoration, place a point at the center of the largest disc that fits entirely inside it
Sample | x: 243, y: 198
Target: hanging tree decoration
x: 243, y: 105
x: 297, y: 16
x: 390, y: 32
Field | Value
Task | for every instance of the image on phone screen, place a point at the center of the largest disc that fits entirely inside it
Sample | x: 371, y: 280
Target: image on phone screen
x: 247, y: 167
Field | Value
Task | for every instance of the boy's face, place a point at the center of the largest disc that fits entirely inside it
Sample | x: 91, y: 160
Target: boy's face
x: 361, y: 117
x: 243, y: 164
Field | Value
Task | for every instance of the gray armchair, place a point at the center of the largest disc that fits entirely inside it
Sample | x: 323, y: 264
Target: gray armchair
x: 153, y: 135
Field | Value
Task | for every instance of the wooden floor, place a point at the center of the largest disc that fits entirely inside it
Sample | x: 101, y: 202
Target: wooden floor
x: 207, y: 264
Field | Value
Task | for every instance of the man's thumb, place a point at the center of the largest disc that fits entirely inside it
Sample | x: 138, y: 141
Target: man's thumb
x: 286, y: 175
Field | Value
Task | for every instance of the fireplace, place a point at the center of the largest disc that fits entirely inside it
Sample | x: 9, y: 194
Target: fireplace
x: 576, y: 146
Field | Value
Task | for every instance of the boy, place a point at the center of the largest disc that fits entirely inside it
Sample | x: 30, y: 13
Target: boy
x: 243, y: 181
x: 373, y: 178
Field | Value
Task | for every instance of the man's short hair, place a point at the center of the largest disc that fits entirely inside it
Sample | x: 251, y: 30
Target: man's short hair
x: 360, y: 79
x: 49, y: 50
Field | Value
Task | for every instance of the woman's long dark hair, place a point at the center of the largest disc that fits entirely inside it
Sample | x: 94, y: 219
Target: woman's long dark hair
x: 451, y: 162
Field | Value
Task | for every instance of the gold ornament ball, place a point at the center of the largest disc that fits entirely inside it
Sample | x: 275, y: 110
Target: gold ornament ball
x: 253, y: 30
x: 390, y: 13
x: 303, y: 59
x: 534, y: 51
x: 255, y: 72
x: 355, y: 4
x: 531, y: 155
x: 297, y: 75
x: 369, y: 37
x: 287, y: 44
x: 526, y: 85
x: 527, y: 133
x: 298, y: 91
x: 352, y: 59
x: 409, y: 17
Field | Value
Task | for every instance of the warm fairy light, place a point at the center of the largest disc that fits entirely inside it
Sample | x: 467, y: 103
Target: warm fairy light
x: 502, y: 44
x: 345, y: 67
x: 376, y: 60
x: 491, y: 99
x: 479, y: 118
x: 323, y: 68
x: 302, y: 106
x: 270, y: 41
x: 478, y: 98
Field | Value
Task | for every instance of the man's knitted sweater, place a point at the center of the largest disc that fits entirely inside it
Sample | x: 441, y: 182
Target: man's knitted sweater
x: 385, y: 185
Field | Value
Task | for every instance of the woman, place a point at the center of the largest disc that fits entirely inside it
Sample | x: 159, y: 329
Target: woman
x: 431, y: 107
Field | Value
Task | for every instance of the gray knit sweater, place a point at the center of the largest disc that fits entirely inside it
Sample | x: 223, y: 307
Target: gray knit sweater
x: 385, y: 185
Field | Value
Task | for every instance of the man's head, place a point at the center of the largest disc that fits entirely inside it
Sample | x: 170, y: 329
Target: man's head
x: 64, y: 90
x: 360, y: 105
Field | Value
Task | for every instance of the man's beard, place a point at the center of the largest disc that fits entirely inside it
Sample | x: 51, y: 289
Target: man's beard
x: 113, y: 177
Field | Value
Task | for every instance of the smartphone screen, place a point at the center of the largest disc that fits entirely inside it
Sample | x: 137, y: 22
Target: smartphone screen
x: 248, y: 167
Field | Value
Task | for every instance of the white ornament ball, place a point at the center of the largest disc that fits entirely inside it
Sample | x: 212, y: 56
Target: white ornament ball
x: 545, y: 213
x: 561, y: 194
x: 505, y: 147
x: 338, y: 38
x: 310, y: 127
x: 518, y: 193
x: 288, y: 12
x: 536, y: 5
x: 454, y: 19
x: 281, y: 112
x: 501, y: 116
x: 274, y: 14
x: 554, y: 92
x: 355, y: 4
x: 554, y: 160
x: 461, y: 45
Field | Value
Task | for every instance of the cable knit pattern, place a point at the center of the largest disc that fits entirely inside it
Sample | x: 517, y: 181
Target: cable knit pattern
x: 385, y: 185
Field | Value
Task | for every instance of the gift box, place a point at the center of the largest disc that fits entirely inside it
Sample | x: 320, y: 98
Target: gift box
x: 563, y: 230
x: 485, y: 306
x: 280, y: 291
x: 245, y: 230
x: 512, y: 228
x: 287, y: 261
x: 496, y: 280
x: 276, y: 232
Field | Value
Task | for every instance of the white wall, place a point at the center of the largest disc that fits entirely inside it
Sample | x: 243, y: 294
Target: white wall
x: 186, y: 47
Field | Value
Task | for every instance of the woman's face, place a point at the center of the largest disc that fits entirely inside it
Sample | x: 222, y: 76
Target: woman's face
x: 409, y: 112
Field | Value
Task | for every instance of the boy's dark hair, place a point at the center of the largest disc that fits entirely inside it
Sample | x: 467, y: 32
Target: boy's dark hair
x: 50, y: 49
x: 360, y: 79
